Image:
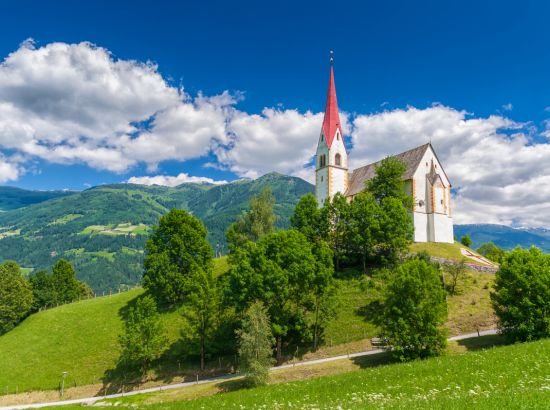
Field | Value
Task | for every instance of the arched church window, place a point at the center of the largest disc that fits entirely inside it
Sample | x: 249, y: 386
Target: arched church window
x: 338, y: 159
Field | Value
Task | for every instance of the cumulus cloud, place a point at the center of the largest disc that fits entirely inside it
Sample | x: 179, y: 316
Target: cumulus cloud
x: 77, y: 103
x: 498, y: 172
x: 172, y: 181
x: 9, y: 171
x: 275, y: 140
x: 69, y: 103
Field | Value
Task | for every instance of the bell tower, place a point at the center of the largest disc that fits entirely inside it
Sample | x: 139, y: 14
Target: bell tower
x: 331, y: 161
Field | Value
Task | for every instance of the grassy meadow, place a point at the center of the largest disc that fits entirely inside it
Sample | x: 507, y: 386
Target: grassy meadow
x: 514, y: 377
x: 81, y: 338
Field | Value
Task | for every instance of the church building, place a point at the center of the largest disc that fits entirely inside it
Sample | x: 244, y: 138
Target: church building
x: 425, y: 178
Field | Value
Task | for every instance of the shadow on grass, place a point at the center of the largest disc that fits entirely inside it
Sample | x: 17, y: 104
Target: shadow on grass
x: 374, y: 360
x: 482, y: 342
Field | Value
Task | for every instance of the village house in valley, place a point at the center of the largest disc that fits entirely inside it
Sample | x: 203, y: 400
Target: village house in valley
x: 425, y: 178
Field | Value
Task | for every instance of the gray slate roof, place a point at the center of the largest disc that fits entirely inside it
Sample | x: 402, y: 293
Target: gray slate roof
x: 410, y: 158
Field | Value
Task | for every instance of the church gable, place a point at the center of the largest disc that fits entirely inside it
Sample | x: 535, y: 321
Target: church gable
x: 430, y: 167
x: 412, y: 160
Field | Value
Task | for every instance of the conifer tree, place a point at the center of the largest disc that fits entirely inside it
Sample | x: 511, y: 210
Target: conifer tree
x: 258, y: 221
x: 67, y: 287
x: 255, y: 345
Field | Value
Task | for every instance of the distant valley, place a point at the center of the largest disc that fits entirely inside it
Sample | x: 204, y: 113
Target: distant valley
x: 103, y: 230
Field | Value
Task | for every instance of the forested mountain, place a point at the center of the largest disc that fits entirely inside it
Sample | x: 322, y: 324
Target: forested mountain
x: 504, y: 236
x: 103, y: 230
x: 13, y: 198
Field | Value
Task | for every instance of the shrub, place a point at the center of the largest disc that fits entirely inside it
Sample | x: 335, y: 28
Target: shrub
x: 414, y: 311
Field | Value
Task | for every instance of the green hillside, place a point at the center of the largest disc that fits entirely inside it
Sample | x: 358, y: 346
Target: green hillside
x: 103, y: 230
x: 14, y: 198
x: 502, y: 377
x: 81, y: 338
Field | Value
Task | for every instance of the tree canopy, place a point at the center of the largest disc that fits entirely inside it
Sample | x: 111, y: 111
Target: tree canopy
x: 258, y: 221
x: 143, y: 339
x: 414, y: 311
x: 279, y: 271
x: 15, y: 296
x: 255, y: 345
x: 492, y: 252
x: 522, y: 294
x: 176, y: 251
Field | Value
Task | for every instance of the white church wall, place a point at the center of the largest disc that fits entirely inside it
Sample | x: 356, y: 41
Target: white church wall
x: 442, y: 228
x: 420, y: 221
x: 321, y: 185
x: 321, y: 174
x: 426, y: 164
x: 337, y: 180
x: 439, y: 200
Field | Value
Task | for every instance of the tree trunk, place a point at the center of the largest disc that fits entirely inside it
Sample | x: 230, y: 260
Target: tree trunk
x: 364, y: 262
x: 279, y: 350
x: 202, y: 352
x: 316, y: 327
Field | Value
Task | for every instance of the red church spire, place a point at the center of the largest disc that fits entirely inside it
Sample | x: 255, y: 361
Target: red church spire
x: 331, y: 122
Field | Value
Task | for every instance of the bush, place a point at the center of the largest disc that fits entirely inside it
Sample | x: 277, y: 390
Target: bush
x: 466, y: 241
x: 522, y: 295
x: 414, y: 311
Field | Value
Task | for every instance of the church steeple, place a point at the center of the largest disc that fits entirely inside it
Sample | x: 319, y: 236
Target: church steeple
x: 331, y: 122
x: 331, y: 171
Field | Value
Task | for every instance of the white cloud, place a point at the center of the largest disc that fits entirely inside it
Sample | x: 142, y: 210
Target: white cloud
x: 69, y: 103
x: 499, y: 173
x: 8, y: 170
x: 508, y: 107
x: 277, y: 140
x: 76, y: 103
x: 172, y: 181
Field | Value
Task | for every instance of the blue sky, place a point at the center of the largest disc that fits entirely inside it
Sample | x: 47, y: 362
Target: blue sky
x: 468, y: 75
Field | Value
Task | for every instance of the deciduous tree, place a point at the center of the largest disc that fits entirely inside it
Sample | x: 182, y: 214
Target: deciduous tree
x: 201, y: 310
x: 143, y: 340
x: 456, y: 272
x: 176, y: 251
x: 492, y: 252
x: 15, y: 296
x: 67, y: 287
x: 466, y: 240
x: 414, y: 311
x: 255, y: 345
x: 307, y: 218
x: 277, y: 271
x: 522, y: 294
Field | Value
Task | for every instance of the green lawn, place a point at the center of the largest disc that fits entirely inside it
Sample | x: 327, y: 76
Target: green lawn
x: 511, y: 377
x: 81, y: 338
x: 443, y: 250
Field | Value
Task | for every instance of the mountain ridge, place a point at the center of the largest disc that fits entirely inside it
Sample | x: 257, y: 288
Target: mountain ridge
x: 103, y: 229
